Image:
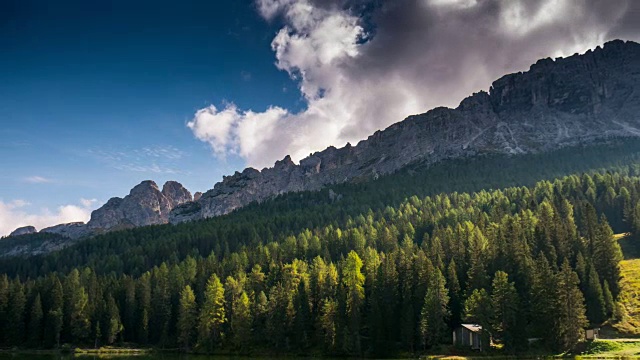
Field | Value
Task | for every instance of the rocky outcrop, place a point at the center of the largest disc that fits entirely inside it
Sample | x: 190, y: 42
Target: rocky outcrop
x: 145, y: 205
x: 556, y: 103
x: 74, y: 230
x: 175, y: 193
x: 23, y: 231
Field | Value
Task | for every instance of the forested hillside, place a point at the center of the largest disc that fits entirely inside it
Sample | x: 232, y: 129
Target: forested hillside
x: 374, y: 271
x: 137, y: 250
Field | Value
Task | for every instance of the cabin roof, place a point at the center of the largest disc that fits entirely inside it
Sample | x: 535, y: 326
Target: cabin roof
x: 472, y: 327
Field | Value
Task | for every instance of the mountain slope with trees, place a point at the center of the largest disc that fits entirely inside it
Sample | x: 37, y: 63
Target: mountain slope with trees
x: 360, y: 278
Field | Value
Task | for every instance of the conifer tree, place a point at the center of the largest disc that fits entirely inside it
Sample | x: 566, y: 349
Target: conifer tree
x: 241, y: 322
x: 570, y: 318
x: 435, y: 311
x: 111, y: 321
x: 609, y: 304
x: 54, y: 317
x: 15, y: 325
x: 212, y: 314
x: 607, y: 255
x: 505, y: 303
x: 143, y: 294
x: 187, y: 317
x: 456, y: 305
x: 353, y: 281
x: 596, y: 310
x: 303, y: 321
x: 4, y: 305
x: 479, y: 310
x: 327, y: 320
x: 260, y: 308
x: 160, y: 315
x: 35, y: 322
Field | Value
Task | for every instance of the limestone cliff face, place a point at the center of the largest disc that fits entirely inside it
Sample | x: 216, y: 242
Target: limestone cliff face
x: 72, y: 230
x: 145, y: 205
x: 25, y: 230
x: 556, y: 103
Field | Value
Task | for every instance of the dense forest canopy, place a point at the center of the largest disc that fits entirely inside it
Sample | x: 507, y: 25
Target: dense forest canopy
x: 377, y: 272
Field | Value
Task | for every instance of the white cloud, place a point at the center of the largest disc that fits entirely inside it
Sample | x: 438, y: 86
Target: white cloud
x: 87, y: 202
x: 37, y: 179
x: 17, y: 213
x: 151, y: 159
x: 420, y: 54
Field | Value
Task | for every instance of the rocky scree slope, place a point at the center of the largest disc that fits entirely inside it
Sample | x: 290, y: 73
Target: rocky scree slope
x: 557, y: 103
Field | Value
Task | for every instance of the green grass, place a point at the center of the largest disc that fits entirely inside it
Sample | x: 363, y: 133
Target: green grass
x: 611, y: 348
x: 629, y: 299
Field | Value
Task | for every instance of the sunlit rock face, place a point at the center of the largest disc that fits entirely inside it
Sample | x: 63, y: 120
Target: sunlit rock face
x: 72, y: 230
x: 145, y: 205
x: 557, y: 103
x: 23, y: 231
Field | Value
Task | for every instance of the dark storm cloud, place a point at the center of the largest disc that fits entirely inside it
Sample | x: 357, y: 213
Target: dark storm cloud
x: 445, y: 50
x: 363, y: 65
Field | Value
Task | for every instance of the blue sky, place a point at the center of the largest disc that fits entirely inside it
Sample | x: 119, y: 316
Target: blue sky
x: 96, y: 97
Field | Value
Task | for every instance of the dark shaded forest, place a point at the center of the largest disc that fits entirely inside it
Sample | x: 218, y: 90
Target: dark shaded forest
x: 387, y: 267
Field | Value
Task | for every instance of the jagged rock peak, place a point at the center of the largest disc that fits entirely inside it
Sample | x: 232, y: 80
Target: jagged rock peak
x: 24, y: 230
x: 176, y: 193
x: 145, y: 205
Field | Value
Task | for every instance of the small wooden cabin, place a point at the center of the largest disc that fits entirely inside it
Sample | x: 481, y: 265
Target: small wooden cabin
x: 468, y: 335
x: 592, y: 334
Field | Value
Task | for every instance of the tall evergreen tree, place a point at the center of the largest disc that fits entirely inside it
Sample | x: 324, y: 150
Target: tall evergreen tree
x: 353, y: 281
x: 505, y: 304
x: 435, y: 311
x: 187, y: 317
x: 4, y: 306
x: 112, y: 324
x: 143, y: 294
x: 456, y: 305
x: 212, y: 314
x: 570, y: 318
x: 596, y: 310
x: 609, y: 304
x: 327, y: 320
x: 15, y: 324
x: 35, y: 322
x: 479, y: 310
x: 241, y: 322
x: 543, y: 299
x: 607, y: 255
x: 54, y: 317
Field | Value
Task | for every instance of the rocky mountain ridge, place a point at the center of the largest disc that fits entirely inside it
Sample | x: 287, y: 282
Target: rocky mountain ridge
x: 557, y: 103
x: 145, y: 205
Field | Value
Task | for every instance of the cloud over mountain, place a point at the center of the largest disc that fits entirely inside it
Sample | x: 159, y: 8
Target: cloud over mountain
x: 16, y: 213
x: 361, y: 65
